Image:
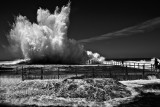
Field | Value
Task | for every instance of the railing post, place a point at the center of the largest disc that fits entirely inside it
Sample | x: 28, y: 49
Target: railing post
x: 93, y: 72
x: 41, y: 73
x: 134, y: 67
x: 105, y: 70
x: 126, y: 73
x: 16, y: 72
x: 75, y: 71
x: 86, y: 72
x: 110, y: 73
x: 22, y: 74
x: 58, y: 72
x: 143, y: 73
x: 27, y: 73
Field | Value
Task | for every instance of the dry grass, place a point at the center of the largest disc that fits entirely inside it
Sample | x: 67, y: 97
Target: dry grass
x: 9, y: 80
x: 68, y: 92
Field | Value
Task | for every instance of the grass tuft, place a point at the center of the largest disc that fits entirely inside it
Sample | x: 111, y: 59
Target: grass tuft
x: 69, y: 91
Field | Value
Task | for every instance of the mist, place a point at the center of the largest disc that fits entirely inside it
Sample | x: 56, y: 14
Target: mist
x: 46, y: 41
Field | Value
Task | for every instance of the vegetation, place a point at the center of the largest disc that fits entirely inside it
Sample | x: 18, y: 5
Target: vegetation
x: 68, y: 92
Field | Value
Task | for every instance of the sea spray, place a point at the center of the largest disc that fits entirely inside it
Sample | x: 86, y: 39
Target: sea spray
x: 46, y: 41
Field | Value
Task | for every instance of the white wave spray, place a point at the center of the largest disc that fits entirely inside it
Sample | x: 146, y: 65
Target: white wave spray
x: 95, y: 58
x: 47, y: 41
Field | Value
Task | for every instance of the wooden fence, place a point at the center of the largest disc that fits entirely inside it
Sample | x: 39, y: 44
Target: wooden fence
x: 117, y: 70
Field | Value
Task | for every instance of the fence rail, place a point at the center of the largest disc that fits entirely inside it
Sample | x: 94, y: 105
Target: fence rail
x: 117, y: 70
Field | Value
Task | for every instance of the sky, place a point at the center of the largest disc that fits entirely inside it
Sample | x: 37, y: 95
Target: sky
x: 93, y: 19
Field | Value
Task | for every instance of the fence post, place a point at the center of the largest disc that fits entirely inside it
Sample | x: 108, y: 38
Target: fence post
x: 126, y: 73
x: 110, y: 73
x: 86, y: 72
x: 41, y: 73
x: 134, y: 67
x: 151, y: 67
x: 93, y: 72
x: 16, y: 72
x: 27, y: 73
x: 138, y: 65
x: 58, y: 72
x: 75, y: 71
x: 22, y: 74
x: 143, y: 74
x: 104, y: 70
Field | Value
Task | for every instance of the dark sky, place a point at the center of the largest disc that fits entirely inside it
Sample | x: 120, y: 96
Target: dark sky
x: 93, y: 18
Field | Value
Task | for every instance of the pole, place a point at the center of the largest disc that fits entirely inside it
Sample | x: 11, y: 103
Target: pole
x: 16, y: 72
x: 75, y: 71
x: 126, y: 74
x: 105, y: 70
x: 27, y: 73
x: 22, y: 74
x: 93, y: 72
x: 58, y: 73
x: 134, y: 67
x: 41, y: 73
x: 86, y: 73
x: 110, y: 73
x: 143, y: 73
